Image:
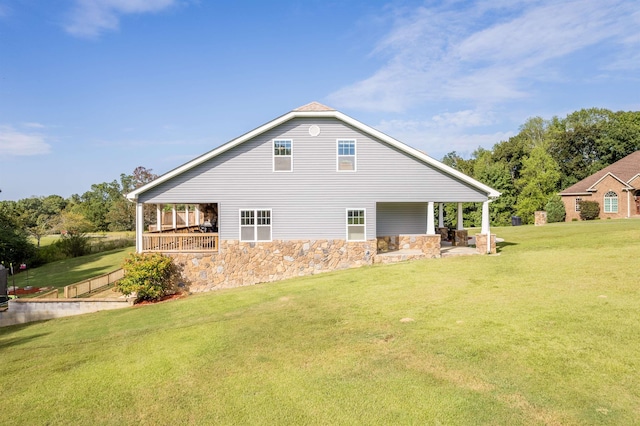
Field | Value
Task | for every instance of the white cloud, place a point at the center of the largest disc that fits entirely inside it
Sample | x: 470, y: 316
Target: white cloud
x: 90, y: 18
x: 16, y: 143
x: 487, y: 52
x: 33, y: 125
x: 438, y: 137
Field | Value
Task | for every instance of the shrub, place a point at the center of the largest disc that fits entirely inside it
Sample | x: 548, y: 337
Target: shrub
x: 589, y: 210
x: 74, y: 244
x: 555, y: 210
x: 150, y: 275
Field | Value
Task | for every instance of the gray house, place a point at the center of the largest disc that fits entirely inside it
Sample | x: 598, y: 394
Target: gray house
x: 311, y: 191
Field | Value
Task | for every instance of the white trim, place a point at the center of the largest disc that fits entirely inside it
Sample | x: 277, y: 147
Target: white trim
x: 491, y: 193
x: 431, y: 228
x: 255, y: 225
x: 604, y: 202
x: 593, y: 187
x: 355, y: 154
x: 139, y: 226
x: 273, y: 155
x: 346, y: 222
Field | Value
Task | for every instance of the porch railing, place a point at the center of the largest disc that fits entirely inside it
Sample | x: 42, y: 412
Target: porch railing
x: 180, y: 242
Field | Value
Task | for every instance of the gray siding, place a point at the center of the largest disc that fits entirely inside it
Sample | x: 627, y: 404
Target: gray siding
x: 401, y: 218
x: 311, y: 201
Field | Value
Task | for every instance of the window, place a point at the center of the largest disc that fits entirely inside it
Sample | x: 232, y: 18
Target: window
x: 255, y: 225
x: 611, y: 202
x: 356, y: 225
x: 282, y: 157
x: 578, y: 200
x: 346, y: 155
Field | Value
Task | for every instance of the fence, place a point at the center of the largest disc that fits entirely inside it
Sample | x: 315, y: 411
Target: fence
x: 176, y: 242
x: 93, y: 284
x: 53, y: 294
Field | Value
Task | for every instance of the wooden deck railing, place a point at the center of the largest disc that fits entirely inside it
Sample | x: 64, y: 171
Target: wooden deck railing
x: 180, y: 242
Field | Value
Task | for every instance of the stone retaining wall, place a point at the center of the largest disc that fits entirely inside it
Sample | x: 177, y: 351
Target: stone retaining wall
x: 239, y: 263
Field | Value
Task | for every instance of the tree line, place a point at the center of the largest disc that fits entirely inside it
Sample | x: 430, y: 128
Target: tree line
x: 544, y: 158
x: 529, y: 169
x: 103, y: 208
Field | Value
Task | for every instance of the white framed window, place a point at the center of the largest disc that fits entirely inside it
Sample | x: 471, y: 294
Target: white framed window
x: 356, y: 225
x: 346, y: 149
x: 255, y: 225
x: 578, y: 201
x: 282, y: 155
x: 611, y: 202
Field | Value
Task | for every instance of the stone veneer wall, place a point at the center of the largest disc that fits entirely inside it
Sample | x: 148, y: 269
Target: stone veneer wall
x: 240, y: 263
x: 481, y: 243
x: 461, y: 238
x: 428, y: 244
x: 540, y: 218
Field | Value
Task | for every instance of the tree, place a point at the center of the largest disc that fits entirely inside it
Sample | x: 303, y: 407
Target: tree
x: 538, y: 182
x: 36, y: 214
x: 14, y: 243
x: 555, y: 209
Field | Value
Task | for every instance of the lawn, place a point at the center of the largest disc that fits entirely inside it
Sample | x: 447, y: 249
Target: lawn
x: 69, y: 271
x: 546, y: 332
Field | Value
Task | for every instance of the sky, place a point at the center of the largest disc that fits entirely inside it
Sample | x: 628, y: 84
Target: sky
x: 92, y: 89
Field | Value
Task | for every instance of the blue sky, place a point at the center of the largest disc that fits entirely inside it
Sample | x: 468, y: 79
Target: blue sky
x: 90, y: 89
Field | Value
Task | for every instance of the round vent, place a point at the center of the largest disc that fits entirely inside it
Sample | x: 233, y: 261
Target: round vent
x: 314, y: 130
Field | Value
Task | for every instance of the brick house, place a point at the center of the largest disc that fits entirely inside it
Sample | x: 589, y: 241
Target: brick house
x: 313, y: 190
x: 616, y: 188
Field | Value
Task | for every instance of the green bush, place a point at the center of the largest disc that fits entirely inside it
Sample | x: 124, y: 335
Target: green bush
x: 74, y: 244
x: 150, y: 275
x: 589, y: 210
x: 555, y: 210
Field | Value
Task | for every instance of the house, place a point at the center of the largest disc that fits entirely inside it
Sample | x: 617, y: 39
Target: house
x: 311, y: 191
x: 616, y: 188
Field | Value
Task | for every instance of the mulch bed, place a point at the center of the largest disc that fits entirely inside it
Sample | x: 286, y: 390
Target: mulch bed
x: 163, y: 299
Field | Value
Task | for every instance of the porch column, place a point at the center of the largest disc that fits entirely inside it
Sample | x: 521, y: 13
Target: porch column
x: 197, y: 214
x: 431, y: 230
x: 441, y: 215
x: 159, y: 217
x: 460, y: 224
x: 628, y: 203
x: 485, y: 224
x: 174, y: 216
x: 139, y: 226
x: 186, y: 215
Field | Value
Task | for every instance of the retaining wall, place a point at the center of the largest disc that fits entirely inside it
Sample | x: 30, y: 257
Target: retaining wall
x: 21, y: 311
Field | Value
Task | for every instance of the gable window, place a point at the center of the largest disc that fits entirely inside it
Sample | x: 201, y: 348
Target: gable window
x: 346, y: 154
x: 255, y: 225
x: 282, y: 155
x: 611, y: 202
x: 356, y: 225
x: 578, y: 201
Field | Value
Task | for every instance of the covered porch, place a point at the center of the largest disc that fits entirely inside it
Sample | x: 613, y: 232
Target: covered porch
x: 188, y: 228
x: 410, y: 229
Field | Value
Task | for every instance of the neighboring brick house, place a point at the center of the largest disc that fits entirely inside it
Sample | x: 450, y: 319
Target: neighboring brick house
x: 616, y: 188
x: 311, y: 191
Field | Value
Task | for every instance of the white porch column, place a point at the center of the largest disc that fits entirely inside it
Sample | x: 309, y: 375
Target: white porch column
x: 159, y: 217
x: 197, y: 214
x: 174, y: 216
x: 441, y: 215
x: 139, y: 226
x: 186, y: 215
x: 485, y: 224
x: 628, y: 203
x: 431, y: 230
x: 460, y: 224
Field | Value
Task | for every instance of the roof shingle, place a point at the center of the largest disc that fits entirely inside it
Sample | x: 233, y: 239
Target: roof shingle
x: 625, y: 170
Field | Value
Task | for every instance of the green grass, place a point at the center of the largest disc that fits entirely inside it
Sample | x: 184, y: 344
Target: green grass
x: 69, y: 271
x: 547, y: 332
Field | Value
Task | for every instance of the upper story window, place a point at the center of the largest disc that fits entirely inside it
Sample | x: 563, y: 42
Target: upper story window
x: 578, y: 201
x: 611, y: 202
x: 346, y: 154
x: 255, y: 225
x: 282, y: 155
x: 356, y: 225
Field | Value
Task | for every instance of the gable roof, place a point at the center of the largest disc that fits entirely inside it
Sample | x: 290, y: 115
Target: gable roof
x: 316, y: 109
x: 624, y: 170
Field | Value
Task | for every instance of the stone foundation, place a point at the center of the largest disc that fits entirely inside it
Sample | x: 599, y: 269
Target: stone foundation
x: 429, y: 245
x: 239, y: 263
x: 540, y: 218
x: 481, y: 243
x: 461, y: 238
